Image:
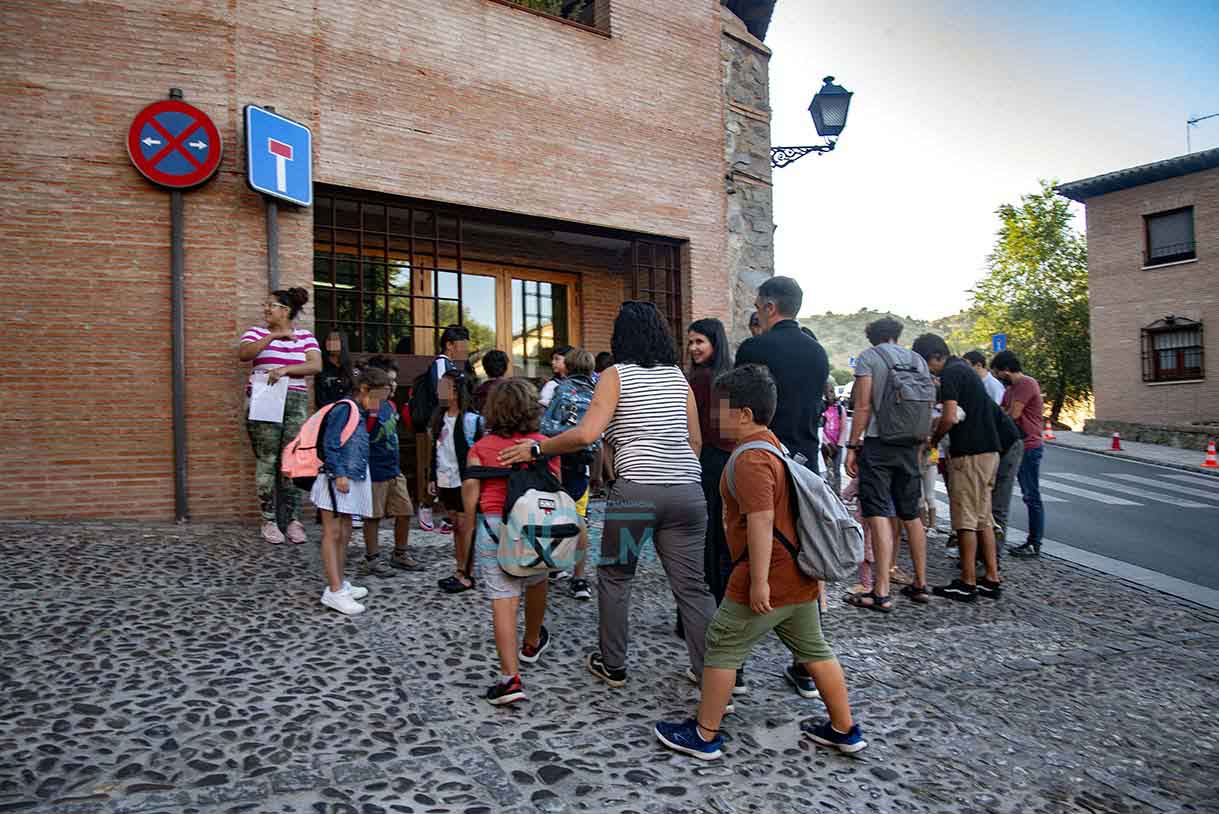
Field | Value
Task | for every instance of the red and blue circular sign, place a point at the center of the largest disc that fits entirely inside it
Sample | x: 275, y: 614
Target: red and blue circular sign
x: 174, y: 144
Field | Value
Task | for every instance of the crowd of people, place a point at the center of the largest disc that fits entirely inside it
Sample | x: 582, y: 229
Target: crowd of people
x: 655, y: 440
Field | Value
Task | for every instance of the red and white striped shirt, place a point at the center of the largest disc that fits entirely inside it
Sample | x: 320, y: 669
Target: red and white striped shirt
x: 282, y: 352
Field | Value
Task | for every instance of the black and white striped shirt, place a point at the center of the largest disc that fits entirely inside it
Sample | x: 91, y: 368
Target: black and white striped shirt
x: 649, y: 432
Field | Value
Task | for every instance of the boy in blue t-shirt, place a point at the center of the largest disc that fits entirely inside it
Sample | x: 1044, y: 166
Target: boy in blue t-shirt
x: 390, y: 495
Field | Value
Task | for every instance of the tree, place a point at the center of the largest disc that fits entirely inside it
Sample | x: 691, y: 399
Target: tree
x: 1036, y: 291
x: 841, y: 376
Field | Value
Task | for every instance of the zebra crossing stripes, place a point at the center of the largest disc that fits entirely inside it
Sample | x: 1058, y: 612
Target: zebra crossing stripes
x: 942, y: 489
x: 1203, y: 481
x: 1130, y: 490
x: 1212, y: 494
x: 1088, y: 493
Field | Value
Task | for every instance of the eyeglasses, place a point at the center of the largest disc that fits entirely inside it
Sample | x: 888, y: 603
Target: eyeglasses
x: 276, y: 305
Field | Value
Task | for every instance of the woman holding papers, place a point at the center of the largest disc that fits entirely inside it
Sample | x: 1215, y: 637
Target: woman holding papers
x: 283, y: 356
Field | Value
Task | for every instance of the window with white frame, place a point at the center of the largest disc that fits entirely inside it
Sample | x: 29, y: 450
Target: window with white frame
x: 1170, y: 237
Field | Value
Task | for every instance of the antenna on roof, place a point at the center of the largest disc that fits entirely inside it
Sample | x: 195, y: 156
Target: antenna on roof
x: 1194, y: 123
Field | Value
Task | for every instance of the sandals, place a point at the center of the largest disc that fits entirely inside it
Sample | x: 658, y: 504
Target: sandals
x: 453, y: 585
x: 882, y: 604
x: 917, y: 593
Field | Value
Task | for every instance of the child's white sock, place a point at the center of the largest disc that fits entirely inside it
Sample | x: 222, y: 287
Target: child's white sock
x: 505, y: 679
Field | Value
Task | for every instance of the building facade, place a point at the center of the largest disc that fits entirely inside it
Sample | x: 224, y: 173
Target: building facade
x: 474, y: 161
x: 1153, y: 279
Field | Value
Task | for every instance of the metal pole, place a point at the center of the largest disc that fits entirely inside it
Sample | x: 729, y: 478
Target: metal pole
x: 177, y: 265
x: 272, y: 236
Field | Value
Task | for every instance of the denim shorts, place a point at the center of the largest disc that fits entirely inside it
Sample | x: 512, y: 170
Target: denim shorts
x: 496, y: 582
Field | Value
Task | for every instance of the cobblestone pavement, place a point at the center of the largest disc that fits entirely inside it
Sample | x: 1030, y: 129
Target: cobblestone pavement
x: 191, y: 669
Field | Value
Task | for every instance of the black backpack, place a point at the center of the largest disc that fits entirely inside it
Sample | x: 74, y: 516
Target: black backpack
x: 424, y: 400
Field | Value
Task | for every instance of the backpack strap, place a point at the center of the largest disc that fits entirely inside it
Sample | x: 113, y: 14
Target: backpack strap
x: 353, y: 420
x: 730, y: 479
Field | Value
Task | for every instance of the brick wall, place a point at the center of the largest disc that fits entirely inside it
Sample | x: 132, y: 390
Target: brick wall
x: 1124, y: 298
x: 464, y: 101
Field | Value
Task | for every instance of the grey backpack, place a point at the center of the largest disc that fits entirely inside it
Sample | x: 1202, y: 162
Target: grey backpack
x: 903, y: 415
x: 829, y: 543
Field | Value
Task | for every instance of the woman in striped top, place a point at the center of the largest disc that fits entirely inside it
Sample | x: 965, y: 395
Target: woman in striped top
x: 280, y: 350
x: 646, y: 410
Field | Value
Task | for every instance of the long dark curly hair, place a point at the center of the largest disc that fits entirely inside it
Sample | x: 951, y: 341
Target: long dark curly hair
x: 641, y: 337
x: 512, y: 408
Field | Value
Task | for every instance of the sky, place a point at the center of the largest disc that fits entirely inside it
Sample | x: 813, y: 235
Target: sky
x: 960, y: 107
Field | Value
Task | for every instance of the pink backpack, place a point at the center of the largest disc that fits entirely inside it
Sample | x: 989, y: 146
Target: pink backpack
x: 300, y: 460
x: 833, y: 424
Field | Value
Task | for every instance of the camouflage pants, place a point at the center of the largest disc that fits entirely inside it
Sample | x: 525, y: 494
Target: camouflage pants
x: 268, y: 439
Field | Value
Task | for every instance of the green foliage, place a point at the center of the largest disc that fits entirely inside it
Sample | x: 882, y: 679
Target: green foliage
x: 559, y: 8
x: 841, y: 376
x: 1036, y: 291
x: 842, y: 335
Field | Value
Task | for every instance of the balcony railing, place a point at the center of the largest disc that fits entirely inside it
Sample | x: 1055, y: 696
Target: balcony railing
x: 1169, y: 253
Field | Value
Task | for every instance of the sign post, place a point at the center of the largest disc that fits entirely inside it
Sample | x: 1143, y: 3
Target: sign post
x: 176, y: 146
x: 279, y: 164
x: 998, y: 343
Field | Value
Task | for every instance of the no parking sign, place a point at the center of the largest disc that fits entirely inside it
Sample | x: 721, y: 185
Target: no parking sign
x: 174, y: 144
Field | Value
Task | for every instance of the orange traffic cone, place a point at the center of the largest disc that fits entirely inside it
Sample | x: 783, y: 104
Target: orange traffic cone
x: 1117, y: 442
x: 1211, y: 461
x: 1049, y: 435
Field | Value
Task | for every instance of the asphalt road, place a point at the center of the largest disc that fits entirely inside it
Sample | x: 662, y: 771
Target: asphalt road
x: 1162, y: 519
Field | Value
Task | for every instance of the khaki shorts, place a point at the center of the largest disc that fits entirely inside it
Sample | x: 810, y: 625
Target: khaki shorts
x: 390, y: 498
x: 970, y: 481
x: 735, y: 629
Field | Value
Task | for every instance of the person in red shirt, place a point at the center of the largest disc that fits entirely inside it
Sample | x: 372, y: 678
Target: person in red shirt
x: 512, y: 415
x: 766, y: 590
x: 1024, y: 404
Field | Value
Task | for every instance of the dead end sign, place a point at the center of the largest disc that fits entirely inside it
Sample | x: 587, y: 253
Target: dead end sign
x: 174, y: 144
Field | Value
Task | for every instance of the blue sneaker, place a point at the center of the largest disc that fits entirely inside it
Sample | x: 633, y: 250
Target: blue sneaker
x: 826, y: 735
x: 684, y: 738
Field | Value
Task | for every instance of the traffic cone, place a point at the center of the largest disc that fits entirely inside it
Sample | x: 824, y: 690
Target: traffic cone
x: 1117, y: 442
x: 1211, y: 461
x: 1048, y: 435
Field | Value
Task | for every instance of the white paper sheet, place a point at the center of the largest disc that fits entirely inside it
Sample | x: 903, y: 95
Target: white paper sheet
x: 267, y: 400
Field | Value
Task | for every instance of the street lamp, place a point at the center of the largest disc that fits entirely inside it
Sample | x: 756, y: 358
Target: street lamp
x: 829, y: 111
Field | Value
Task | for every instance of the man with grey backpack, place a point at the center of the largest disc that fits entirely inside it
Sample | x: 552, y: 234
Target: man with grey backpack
x: 894, y: 395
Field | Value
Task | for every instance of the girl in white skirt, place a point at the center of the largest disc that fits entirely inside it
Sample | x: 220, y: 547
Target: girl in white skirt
x: 344, y: 488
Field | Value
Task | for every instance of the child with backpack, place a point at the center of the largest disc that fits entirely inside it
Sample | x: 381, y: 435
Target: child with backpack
x: 512, y: 415
x: 453, y: 430
x: 343, y: 486
x: 566, y: 409
x: 390, y: 496
x: 768, y: 590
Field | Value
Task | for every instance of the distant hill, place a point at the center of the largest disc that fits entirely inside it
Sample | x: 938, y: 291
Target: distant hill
x: 842, y: 334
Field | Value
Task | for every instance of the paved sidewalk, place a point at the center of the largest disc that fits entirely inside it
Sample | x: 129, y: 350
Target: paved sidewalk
x: 191, y: 669
x: 1189, y: 460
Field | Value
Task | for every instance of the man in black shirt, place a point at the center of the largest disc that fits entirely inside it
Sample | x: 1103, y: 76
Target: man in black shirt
x: 797, y: 362
x: 972, y: 464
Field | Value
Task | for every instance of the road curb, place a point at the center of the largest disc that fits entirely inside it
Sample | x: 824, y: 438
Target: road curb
x: 1125, y: 456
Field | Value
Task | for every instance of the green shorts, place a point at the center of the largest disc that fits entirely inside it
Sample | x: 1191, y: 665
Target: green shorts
x: 735, y: 629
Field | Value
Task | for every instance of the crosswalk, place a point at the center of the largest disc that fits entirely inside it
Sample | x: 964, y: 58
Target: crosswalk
x: 1123, y: 490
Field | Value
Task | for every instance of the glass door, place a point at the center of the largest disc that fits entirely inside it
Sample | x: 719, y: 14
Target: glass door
x: 543, y: 307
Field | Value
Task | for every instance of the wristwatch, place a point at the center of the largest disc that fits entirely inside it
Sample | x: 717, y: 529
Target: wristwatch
x: 536, y: 450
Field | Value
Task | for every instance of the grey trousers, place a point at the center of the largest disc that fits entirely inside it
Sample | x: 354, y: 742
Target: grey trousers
x: 1005, y: 479
x: 674, y: 519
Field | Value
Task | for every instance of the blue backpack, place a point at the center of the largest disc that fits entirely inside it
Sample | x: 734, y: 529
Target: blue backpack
x: 570, y: 404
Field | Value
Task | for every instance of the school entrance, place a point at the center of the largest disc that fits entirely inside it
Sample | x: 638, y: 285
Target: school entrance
x: 391, y: 273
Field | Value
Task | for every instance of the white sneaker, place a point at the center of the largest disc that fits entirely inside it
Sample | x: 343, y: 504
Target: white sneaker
x: 296, y: 532
x: 357, y: 522
x: 341, y: 602
x: 354, y: 591
x: 271, y: 532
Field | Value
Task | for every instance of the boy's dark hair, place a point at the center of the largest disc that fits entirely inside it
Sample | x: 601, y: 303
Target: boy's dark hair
x: 454, y: 333
x: 372, y: 378
x: 785, y: 293
x: 512, y: 408
x: 1006, y: 361
x: 579, y: 362
x: 383, y: 362
x: 641, y: 337
x: 495, y: 363
x: 974, y: 357
x: 750, y: 386
x: 883, y: 330
x: 930, y: 346
x: 562, y: 350
x: 605, y: 360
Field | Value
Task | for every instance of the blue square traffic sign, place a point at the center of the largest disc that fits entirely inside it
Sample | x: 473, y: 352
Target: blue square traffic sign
x: 998, y: 343
x: 279, y: 156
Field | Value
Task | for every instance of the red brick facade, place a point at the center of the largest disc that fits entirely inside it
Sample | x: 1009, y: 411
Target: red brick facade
x: 465, y: 102
x: 1125, y: 297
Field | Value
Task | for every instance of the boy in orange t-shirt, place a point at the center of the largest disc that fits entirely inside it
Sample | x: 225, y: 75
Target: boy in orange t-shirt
x: 766, y: 590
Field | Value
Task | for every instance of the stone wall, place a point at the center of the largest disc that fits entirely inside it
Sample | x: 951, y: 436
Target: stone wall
x: 1182, y: 436
x: 750, y: 207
